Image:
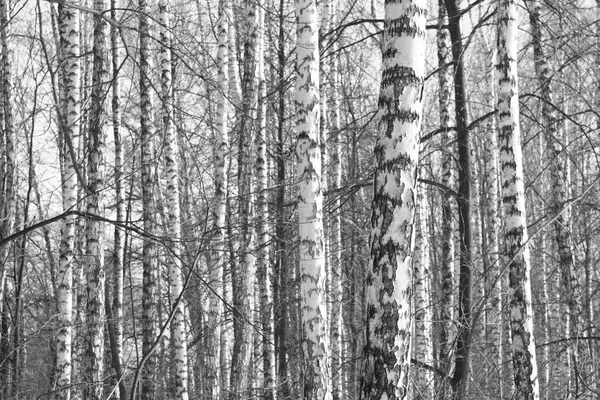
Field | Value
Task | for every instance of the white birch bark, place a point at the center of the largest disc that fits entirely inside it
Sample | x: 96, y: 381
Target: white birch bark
x: 262, y: 218
x: 221, y: 162
x: 149, y: 210
x: 513, y: 199
x: 235, y: 86
x: 94, y: 271
x: 389, y: 280
x: 179, y: 357
x: 244, y: 274
x: 423, y: 352
x: 446, y: 296
x: 119, y: 237
x: 339, y: 386
x: 493, y: 266
x: 70, y: 125
x: 314, y: 332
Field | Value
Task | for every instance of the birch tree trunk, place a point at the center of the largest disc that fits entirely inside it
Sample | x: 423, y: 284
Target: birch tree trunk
x: 8, y: 186
x: 423, y: 352
x: 390, y: 276
x: 95, y: 275
x: 179, y: 356
x: 119, y: 238
x: 446, y: 296
x: 149, y: 212
x: 262, y: 221
x: 70, y: 125
x: 244, y: 274
x: 493, y: 270
x: 339, y: 386
x: 281, y: 276
x: 558, y: 196
x: 221, y: 160
x: 314, y: 333
x: 513, y: 200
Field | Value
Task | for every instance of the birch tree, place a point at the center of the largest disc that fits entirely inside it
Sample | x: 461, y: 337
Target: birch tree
x: 556, y: 157
x: 118, y: 255
x: 179, y: 356
x: 68, y: 22
x: 221, y: 163
x: 94, y: 271
x: 262, y: 222
x: 280, y: 284
x: 8, y: 185
x: 389, y: 280
x: 446, y: 296
x: 513, y: 200
x: 244, y: 275
x: 423, y: 352
x: 339, y: 388
x: 314, y: 333
x: 148, y: 166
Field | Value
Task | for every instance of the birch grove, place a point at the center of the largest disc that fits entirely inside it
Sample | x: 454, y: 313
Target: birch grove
x: 320, y: 200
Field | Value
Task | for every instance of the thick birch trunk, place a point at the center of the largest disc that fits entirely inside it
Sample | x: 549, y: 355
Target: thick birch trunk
x: 149, y: 212
x: 389, y: 280
x: 179, y: 357
x: 221, y: 159
x: 314, y: 333
x: 513, y: 199
x: 70, y: 125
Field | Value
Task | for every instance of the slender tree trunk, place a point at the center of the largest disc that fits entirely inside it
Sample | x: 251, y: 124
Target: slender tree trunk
x: 513, y: 199
x: 116, y: 308
x: 262, y: 221
x: 244, y: 274
x: 547, y: 321
x: 19, y: 345
x: 280, y: 287
x: 339, y: 385
x: 423, y: 352
x: 493, y: 269
x: 463, y: 343
x: 556, y: 153
x: 8, y: 185
x: 446, y: 296
x: 316, y: 375
x: 221, y: 160
x: 94, y: 273
x: 179, y: 356
x: 70, y: 125
x: 390, y: 276
x: 149, y: 214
